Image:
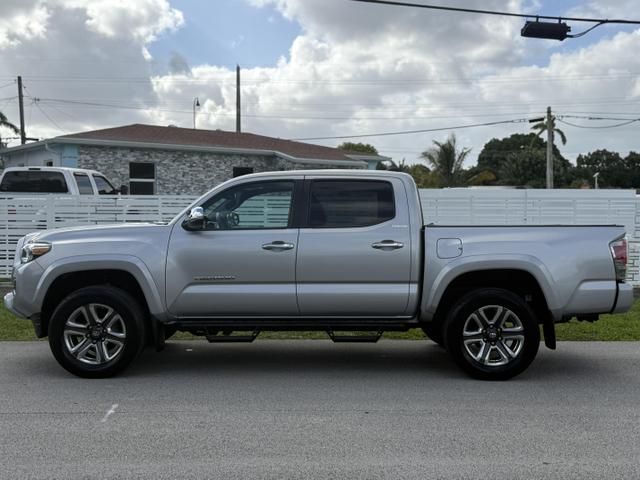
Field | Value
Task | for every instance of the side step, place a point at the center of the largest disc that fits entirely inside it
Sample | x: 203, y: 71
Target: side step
x: 355, y: 338
x: 227, y: 337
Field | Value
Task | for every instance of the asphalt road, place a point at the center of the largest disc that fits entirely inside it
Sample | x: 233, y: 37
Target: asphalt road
x: 313, y: 409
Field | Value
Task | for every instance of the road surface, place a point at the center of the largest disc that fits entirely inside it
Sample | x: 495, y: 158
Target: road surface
x: 313, y: 409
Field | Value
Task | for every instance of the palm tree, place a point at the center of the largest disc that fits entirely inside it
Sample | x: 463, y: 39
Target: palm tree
x: 541, y: 128
x: 4, y: 122
x: 446, y: 161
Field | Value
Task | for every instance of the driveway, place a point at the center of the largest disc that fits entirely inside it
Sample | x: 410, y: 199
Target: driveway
x: 313, y: 409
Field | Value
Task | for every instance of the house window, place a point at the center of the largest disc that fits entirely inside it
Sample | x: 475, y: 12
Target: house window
x: 239, y: 171
x: 142, y: 178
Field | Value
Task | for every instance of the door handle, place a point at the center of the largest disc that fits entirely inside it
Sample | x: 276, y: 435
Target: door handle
x: 277, y: 246
x: 387, y: 245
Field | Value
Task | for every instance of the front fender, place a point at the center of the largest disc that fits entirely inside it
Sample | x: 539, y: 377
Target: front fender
x: 128, y: 263
x: 437, y: 286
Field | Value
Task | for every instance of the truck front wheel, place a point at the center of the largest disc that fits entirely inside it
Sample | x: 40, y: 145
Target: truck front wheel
x: 492, y: 334
x: 96, y: 331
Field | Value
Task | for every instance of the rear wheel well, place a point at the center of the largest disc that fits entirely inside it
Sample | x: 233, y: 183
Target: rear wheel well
x: 519, y: 282
x: 70, y: 282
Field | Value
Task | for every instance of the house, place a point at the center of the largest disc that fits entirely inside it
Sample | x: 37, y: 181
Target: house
x: 178, y: 161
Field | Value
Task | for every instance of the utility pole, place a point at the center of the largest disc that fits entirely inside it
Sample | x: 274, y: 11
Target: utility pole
x: 196, y: 104
x: 238, y: 118
x: 23, y: 134
x: 549, y: 148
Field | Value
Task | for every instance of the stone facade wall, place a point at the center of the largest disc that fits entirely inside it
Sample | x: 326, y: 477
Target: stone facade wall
x: 178, y: 172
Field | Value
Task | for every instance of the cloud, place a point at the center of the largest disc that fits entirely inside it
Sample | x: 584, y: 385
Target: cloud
x: 178, y: 64
x: 354, y: 69
x: 22, y: 21
x: 92, y: 53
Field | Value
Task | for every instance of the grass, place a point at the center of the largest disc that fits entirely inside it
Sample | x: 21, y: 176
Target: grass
x: 609, y: 328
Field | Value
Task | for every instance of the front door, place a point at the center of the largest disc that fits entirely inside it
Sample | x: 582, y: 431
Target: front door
x: 243, y: 261
x: 354, y: 254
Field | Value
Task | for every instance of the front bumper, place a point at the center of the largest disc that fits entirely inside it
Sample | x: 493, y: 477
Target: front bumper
x: 624, y: 301
x: 9, y: 304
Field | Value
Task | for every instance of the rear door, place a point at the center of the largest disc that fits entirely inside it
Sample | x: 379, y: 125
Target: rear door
x: 354, y: 252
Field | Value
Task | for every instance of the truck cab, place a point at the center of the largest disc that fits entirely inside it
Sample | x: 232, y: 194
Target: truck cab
x: 20, y: 181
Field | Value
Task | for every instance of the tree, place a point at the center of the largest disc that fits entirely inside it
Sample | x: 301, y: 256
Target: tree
x: 446, y: 161
x: 542, y: 127
x: 496, y: 152
x: 358, y: 147
x: 614, y: 171
x: 527, y: 168
x: 524, y: 169
x: 4, y: 122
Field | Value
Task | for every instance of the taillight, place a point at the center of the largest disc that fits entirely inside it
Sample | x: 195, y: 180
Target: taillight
x: 620, y: 254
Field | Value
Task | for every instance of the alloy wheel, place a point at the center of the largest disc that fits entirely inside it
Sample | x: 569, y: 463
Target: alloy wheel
x: 95, y: 334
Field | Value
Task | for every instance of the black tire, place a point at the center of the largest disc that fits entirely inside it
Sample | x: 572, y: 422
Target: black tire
x: 122, y: 341
x: 515, y: 343
x: 433, y: 330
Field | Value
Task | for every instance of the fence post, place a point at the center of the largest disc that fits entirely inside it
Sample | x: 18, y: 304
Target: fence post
x: 51, y: 205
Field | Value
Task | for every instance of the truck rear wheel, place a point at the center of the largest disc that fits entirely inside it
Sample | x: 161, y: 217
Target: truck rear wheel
x: 492, y: 334
x: 97, y: 331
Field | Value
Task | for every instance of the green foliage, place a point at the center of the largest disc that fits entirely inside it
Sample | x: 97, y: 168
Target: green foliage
x: 496, y: 152
x: 528, y: 168
x: 5, y: 123
x: 542, y: 128
x: 446, y: 160
x: 615, y: 171
x: 358, y: 147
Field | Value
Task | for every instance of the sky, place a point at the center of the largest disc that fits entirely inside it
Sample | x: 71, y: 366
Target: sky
x: 321, y: 68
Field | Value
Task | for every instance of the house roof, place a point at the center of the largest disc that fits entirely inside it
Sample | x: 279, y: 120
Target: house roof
x: 176, y: 138
x: 210, y: 138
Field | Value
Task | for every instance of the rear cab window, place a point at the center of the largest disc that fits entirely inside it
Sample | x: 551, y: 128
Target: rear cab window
x: 350, y: 203
x: 33, y: 181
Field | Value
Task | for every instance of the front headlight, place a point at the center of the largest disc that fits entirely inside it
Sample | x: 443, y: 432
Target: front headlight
x: 33, y: 250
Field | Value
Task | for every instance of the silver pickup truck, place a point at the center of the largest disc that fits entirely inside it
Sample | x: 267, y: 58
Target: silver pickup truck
x: 344, y: 252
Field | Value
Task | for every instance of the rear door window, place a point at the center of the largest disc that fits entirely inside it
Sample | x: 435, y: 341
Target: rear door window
x: 84, y: 184
x: 350, y: 203
x: 34, y: 181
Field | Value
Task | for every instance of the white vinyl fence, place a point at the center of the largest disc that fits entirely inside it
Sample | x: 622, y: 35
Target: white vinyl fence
x: 470, y: 206
x: 19, y: 216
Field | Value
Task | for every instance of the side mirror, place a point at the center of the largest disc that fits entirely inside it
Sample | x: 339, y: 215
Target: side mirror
x: 195, y: 220
x: 124, y: 190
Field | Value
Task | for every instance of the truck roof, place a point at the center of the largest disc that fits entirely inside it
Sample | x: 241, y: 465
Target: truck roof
x: 332, y: 172
x: 52, y: 169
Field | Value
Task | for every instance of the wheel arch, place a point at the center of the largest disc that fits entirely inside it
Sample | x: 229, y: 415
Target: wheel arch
x: 530, y: 283
x: 60, y: 280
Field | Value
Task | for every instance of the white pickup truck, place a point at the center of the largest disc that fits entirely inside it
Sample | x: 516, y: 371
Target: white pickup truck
x: 20, y: 181
x: 339, y: 251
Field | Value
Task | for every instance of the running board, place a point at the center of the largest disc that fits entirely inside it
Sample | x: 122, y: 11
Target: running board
x: 355, y: 338
x: 228, y: 337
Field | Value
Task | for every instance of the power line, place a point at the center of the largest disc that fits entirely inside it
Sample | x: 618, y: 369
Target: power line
x: 503, y: 14
x: 35, y: 101
x: 628, y: 122
x: 409, y: 132
x: 226, y: 79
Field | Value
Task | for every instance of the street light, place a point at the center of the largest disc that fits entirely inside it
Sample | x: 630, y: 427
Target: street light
x: 595, y: 177
x: 547, y: 30
x: 196, y: 104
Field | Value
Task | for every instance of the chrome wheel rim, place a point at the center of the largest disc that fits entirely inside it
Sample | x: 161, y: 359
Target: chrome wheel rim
x: 95, y: 334
x: 493, y: 336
